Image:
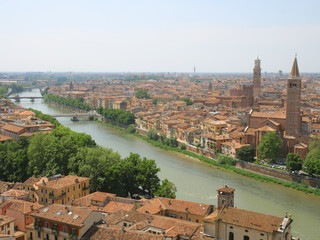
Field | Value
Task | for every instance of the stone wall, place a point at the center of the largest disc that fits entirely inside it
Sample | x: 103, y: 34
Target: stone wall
x: 310, y: 181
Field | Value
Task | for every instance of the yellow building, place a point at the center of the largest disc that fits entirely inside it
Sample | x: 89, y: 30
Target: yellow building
x: 212, y: 126
x: 62, y: 189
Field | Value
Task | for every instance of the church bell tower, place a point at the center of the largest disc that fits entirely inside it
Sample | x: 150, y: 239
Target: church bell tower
x: 225, y: 197
x: 293, y: 115
x: 256, y: 78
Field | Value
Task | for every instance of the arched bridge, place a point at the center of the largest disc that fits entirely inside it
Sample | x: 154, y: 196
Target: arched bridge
x: 75, y: 116
x: 16, y: 98
x: 89, y: 114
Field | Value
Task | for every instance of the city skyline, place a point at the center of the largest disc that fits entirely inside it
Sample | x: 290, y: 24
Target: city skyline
x: 139, y: 36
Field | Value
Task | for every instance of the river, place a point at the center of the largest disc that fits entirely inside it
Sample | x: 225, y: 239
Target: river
x: 198, y: 182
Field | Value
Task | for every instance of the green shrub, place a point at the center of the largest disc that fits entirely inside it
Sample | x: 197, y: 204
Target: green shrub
x: 226, y: 160
x: 182, y: 146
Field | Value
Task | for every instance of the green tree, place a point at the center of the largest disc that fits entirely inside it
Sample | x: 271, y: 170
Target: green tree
x: 37, y: 153
x: 155, y: 101
x: 182, y: 146
x: 226, y: 160
x: 142, y: 94
x: 153, y: 134
x: 293, y: 162
x: 188, y: 101
x: 312, y: 165
x: 131, y: 129
x: 246, y: 153
x: 167, y: 189
x: 270, y: 147
x: 312, y: 161
x: 94, y: 163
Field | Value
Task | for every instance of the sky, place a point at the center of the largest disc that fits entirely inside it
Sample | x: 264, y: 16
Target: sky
x: 158, y: 35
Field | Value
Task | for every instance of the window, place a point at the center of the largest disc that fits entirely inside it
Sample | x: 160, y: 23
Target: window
x: 46, y: 200
x: 181, y: 217
x: 47, y: 225
x: 39, y: 234
x: 261, y: 234
x: 64, y: 229
x: 124, y: 224
x: 231, y: 236
x: 197, y: 221
x: 79, y: 186
x: 68, y: 190
x: 46, y: 191
x: 41, y: 190
x: 47, y: 236
x: 246, y: 230
x: 74, y: 188
x: 189, y: 219
x: 246, y: 238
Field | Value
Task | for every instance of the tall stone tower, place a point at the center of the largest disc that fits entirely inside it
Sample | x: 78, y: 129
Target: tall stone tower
x: 256, y: 78
x: 225, y: 197
x: 293, y: 114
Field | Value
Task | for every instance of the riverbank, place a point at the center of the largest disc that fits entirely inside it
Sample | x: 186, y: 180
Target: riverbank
x: 196, y: 181
x: 257, y: 176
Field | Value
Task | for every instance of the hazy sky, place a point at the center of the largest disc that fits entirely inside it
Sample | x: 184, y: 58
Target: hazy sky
x: 158, y: 35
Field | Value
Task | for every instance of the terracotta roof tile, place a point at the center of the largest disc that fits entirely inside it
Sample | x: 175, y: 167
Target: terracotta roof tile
x: 62, y: 182
x: 251, y: 220
x: 74, y: 216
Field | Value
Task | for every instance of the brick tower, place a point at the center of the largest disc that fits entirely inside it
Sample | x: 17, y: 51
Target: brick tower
x: 293, y: 114
x: 225, y: 197
x: 256, y: 78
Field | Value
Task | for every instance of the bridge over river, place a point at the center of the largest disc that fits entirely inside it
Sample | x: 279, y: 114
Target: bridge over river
x: 18, y: 98
x: 75, y: 115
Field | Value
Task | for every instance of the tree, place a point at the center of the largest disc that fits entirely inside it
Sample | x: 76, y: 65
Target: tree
x: 270, y: 147
x: 142, y: 94
x: 99, y: 110
x: 131, y: 129
x: 226, y: 160
x: 246, y: 153
x: 188, y: 101
x: 96, y: 164
x: 312, y: 165
x: 167, y: 189
x: 294, y: 162
x: 182, y: 146
x: 134, y: 175
x: 312, y: 161
x: 153, y: 134
x: 155, y: 101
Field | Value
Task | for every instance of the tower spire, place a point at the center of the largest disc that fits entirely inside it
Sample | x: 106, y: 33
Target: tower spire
x: 295, y: 69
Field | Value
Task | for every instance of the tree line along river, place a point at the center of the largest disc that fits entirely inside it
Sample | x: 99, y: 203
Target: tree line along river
x: 197, y: 181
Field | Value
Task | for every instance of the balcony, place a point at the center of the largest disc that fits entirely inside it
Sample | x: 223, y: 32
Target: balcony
x: 55, y: 232
x: 72, y: 236
x: 37, y: 227
x: 85, y: 188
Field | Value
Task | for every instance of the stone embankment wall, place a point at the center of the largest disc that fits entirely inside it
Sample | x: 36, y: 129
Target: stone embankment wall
x: 310, y: 181
x: 271, y: 172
